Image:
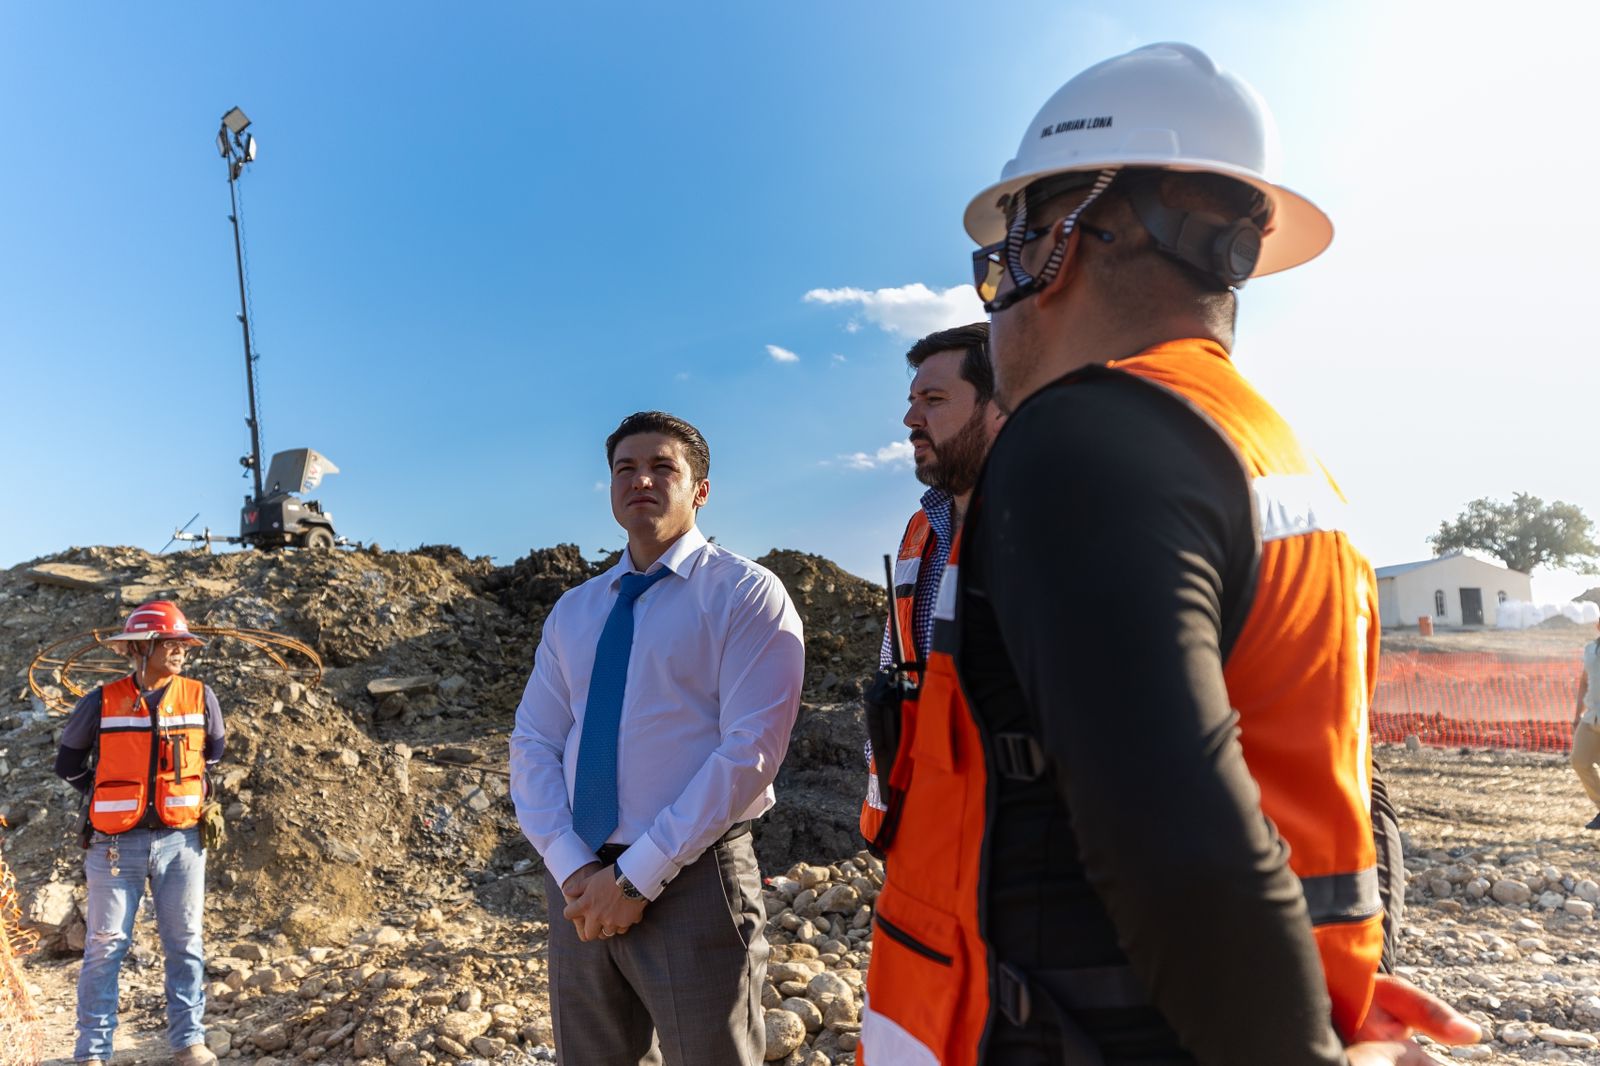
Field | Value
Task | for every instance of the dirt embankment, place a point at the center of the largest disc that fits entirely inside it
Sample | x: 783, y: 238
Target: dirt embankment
x: 341, y: 802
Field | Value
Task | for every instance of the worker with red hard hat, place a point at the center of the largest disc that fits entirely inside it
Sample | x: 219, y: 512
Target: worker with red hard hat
x: 138, y: 749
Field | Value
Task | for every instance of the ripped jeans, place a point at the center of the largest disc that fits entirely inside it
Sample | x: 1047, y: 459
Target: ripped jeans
x: 118, y: 868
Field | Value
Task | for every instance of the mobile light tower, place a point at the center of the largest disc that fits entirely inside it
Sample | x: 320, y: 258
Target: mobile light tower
x: 239, y: 148
x: 272, y: 516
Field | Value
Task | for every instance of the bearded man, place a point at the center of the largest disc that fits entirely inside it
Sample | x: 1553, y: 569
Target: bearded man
x: 953, y: 419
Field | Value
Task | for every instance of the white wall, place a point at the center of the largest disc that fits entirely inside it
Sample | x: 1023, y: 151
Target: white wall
x: 1410, y: 595
x: 1389, y: 614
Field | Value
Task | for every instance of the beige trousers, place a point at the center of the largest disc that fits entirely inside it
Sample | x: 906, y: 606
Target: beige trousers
x: 1586, y: 759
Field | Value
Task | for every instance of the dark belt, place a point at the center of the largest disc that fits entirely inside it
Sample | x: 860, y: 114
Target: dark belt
x: 610, y: 853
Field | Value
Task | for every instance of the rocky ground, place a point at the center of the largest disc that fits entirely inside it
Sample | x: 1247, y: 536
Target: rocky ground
x: 1503, y: 887
x: 396, y: 915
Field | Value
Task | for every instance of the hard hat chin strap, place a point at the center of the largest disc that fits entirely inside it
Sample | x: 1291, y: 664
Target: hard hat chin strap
x: 1023, y: 284
x: 140, y: 653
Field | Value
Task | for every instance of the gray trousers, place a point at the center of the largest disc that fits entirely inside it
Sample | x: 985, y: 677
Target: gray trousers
x: 683, y: 987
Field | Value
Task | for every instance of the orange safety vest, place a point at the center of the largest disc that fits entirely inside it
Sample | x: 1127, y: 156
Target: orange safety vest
x: 915, y: 547
x: 1300, y: 675
x: 145, y: 759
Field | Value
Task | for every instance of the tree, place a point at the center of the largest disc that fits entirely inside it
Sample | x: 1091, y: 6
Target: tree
x: 1523, y: 534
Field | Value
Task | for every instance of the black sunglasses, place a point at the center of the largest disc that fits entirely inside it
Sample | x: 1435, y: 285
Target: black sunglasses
x: 988, y: 262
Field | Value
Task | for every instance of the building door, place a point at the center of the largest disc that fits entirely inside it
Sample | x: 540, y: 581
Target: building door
x: 1472, y: 607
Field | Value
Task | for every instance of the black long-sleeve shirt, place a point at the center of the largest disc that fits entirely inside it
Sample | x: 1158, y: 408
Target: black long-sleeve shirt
x: 1108, y: 563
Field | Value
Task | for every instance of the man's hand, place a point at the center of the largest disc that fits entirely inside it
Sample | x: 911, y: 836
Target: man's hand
x: 1389, y: 1053
x: 601, y: 909
x: 1399, y: 1011
x: 572, y: 887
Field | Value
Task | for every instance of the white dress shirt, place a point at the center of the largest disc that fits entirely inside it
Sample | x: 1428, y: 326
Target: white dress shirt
x: 1591, y: 691
x: 712, y: 692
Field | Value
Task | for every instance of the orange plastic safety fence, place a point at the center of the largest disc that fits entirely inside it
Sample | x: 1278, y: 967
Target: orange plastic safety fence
x: 1477, y: 699
x: 20, y: 1036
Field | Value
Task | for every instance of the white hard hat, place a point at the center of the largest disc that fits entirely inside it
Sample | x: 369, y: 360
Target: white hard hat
x: 1166, y: 106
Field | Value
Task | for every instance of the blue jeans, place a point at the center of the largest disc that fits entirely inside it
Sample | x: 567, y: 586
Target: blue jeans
x: 172, y: 861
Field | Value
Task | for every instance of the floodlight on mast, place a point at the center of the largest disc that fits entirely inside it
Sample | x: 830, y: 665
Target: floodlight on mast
x: 273, y: 516
x: 238, y: 150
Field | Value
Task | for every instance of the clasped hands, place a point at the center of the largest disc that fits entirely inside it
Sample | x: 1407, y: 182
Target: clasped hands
x: 595, y: 904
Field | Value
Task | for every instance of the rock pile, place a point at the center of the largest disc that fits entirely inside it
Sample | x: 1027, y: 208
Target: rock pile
x: 819, y: 921
x: 422, y: 991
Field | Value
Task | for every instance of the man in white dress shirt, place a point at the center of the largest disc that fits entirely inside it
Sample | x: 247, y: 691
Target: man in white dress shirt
x: 660, y: 706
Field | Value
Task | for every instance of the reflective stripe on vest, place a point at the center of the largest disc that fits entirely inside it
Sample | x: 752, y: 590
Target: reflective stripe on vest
x: 1334, y: 898
x: 891, y: 1044
x: 1288, y: 505
x: 906, y: 572
x: 146, y: 758
x: 914, y: 547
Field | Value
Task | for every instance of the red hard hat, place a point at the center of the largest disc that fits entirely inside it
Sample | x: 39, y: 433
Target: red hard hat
x: 156, y: 620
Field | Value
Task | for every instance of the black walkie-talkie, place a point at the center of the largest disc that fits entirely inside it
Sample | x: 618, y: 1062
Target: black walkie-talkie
x: 884, y: 702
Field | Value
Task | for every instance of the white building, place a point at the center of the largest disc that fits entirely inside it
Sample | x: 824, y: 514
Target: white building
x: 1454, y: 590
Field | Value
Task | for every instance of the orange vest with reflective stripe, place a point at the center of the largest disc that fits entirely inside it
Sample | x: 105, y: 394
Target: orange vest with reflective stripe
x: 144, y: 759
x: 1304, y: 667
x: 913, y: 555
x: 1301, y: 676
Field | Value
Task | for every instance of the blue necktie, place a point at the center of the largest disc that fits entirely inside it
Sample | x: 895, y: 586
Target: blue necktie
x: 594, y: 790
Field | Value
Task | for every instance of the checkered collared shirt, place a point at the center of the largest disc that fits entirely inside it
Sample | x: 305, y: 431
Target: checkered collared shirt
x: 940, y: 508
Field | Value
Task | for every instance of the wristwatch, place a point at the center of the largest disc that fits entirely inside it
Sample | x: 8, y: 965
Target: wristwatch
x: 627, y: 886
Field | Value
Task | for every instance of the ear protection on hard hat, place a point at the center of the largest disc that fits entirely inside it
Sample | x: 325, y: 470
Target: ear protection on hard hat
x: 1223, y: 249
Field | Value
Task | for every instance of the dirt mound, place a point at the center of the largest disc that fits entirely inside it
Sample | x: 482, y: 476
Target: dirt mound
x: 387, y: 782
x: 843, y: 616
x: 533, y: 584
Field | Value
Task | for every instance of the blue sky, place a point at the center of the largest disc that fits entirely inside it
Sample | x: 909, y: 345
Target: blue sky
x: 479, y: 238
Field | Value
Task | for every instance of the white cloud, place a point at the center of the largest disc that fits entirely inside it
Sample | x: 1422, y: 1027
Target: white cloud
x: 911, y: 310
x: 781, y: 355
x: 599, y: 486
x: 895, y: 453
x: 682, y: 375
x: 837, y: 359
